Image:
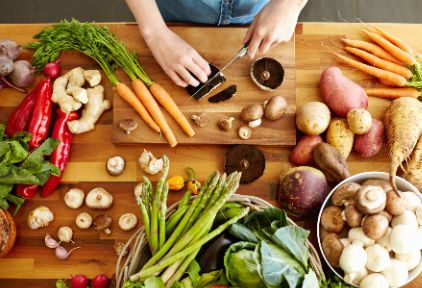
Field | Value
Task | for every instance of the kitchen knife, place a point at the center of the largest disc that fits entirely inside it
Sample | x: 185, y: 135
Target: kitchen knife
x: 239, y: 54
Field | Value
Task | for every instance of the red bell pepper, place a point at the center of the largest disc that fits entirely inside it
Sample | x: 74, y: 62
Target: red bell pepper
x: 41, y: 116
x: 60, y: 155
x: 19, y: 120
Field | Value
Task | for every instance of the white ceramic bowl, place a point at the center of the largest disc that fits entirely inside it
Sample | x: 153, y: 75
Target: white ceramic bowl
x: 402, y: 185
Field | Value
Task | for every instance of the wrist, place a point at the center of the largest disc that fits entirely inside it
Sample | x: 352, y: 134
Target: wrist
x: 152, y: 31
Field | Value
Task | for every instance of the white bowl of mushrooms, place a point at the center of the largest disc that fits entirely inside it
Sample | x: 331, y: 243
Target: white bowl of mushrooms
x: 368, y: 235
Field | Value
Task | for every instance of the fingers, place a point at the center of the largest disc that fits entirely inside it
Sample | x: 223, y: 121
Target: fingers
x: 265, y: 45
x: 249, y: 33
x: 254, y: 44
x: 176, y: 79
x: 202, y: 63
x: 186, y: 76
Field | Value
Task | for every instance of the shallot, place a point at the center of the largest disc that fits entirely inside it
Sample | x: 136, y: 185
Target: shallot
x: 62, y: 253
x: 52, y: 69
x: 50, y: 242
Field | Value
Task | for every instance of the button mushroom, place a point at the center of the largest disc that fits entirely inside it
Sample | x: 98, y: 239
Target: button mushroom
x: 406, y: 218
x: 332, y: 247
x: 102, y: 223
x: 378, y: 258
x: 384, y: 241
x: 345, y: 193
x: 418, y: 213
x: 396, y: 273
x: 83, y: 220
x: 252, y: 112
x: 379, y: 182
x: 74, y: 198
x: 411, y: 260
x: 402, y: 239
x: 412, y: 201
x: 99, y: 198
x: 40, y: 217
x: 352, y: 216
x: 115, y: 165
x: 375, y: 226
x: 331, y: 219
x: 374, y: 280
x: 275, y: 107
x: 370, y: 199
x: 357, y: 234
x: 355, y: 277
x: 353, y: 258
x: 255, y: 123
x: 65, y: 234
x: 128, y: 221
x: 226, y: 124
x: 395, y: 205
x: 128, y: 125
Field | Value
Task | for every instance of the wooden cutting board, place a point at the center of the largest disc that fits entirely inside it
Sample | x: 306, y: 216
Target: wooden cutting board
x: 218, y: 46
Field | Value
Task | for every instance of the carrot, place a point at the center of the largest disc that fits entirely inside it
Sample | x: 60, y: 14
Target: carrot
x: 124, y: 91
x: 393, y: 93
x: 164, y: 98
x: 148, y: 100
x: 386, y: 77
x: 371, y: 48
x: 380, y: 63
x: 393, y: 39
x: 398, y: 53
x: 403, y: 122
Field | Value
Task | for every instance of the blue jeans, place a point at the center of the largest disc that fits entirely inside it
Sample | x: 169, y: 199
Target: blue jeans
x: 217, y: 12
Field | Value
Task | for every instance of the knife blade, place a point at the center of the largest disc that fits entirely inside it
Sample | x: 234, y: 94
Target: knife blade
x: 242, y: 52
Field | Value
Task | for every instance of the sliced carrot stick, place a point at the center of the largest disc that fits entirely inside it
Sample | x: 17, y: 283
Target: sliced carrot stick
x: 149, y: 102
x: 371, y: 48
x: 164, y: 98
x: 127, y: 94
x: 393, y: 93
x: 398, y: 53
x: 380, y: 63
x: 393, y: 39
x: 386, y: 77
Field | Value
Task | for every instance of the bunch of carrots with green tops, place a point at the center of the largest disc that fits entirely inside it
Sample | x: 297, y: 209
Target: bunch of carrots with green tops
x: 98, y: 43
x: 388, y: 58
x: 176, y: 241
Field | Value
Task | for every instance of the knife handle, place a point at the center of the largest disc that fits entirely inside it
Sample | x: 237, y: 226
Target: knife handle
x: 242, y: 52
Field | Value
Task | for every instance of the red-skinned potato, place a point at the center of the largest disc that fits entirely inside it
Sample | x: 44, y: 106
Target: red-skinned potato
x: 340, y: 93
x: 302, y: 152
x: 302, y: 190
x: 370, y: 143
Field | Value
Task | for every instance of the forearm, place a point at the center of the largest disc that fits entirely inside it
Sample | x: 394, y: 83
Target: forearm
x: 293, y: 6
x: 147, y: 16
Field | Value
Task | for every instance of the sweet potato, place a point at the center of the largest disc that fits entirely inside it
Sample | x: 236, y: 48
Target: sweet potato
x: 340, y: 136
x: 331, y: 162
x: 340, y: 93
x: 403, y: 122
x: 313, y: 118
x: 302, y: 153
x: 370, y: 143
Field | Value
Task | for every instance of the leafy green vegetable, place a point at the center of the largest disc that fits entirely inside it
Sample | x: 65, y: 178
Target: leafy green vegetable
x: 154, y: 282
x: 335, y: 282
x: 242, y: 232
x: 241, y: 266
x: 193, y: 272
x: 132, y: 284
x: 217, y: 277
x: 293, y: 239
x: 311, y: 280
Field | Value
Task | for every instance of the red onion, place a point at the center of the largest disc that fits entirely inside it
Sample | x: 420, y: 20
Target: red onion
x: 52, y: 69
x: 100, y: 281
x: 79, y: 281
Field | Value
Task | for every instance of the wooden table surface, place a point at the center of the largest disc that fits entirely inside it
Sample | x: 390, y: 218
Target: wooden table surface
x: 31, y: 264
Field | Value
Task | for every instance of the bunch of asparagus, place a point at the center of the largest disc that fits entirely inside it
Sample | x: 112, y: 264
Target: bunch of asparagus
x: 175, y: 243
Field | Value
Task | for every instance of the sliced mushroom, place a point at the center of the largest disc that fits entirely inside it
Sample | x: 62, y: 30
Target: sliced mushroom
x: 203, y: 90
x: 99, y: 198
x: 344, y: 194
x: 224, y: 95
x: 115, y: 165
x: 128, y: 221
x: 83, y: 220
x: 102, y: 223
x: 128, y: 125
x: 352, y: 216
x: 331, y: 219
x: 370, y: 199
x: 245, y: 132
x: 375, y: 226
x: 332, y: 247
x: 74, y: 198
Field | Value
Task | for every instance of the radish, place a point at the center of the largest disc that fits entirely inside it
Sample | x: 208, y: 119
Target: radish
x: 52, y: 69
x: 79, y: 281
x: 100, y: 281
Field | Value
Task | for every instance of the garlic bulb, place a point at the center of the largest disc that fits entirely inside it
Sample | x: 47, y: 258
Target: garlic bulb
x: 149, y: 163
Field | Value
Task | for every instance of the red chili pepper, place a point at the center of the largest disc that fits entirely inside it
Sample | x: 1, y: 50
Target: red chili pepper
x: 26, y: 191
x: 60, y: 155
x: 19, y: 120
x: 41, y: 117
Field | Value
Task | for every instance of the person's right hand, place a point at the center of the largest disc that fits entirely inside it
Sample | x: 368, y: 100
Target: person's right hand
x: 177, y: 58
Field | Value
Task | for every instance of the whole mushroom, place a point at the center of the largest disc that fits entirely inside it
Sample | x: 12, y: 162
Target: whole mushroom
x: 332, y: 247
x: 74, y: 198
x: 375, y: 226
x: 102, y: 223
x: 115, y: 165
x: 128, y: 221
x: 384, y: 241
x: 395, y: 205
x: 275, y: 107
x: 355, y: 277
x: 411, y: 260
x: 352, y: 216
x: 406, y: 218
x: 344, y: 194
x: 99, y: 198
x: 370, y: 199
x: 396, y: 273
x: 252, y: 112
x: 128, y: 125
x: 83, y: 220
x: 353, y: 258
x: 418, y: 213
x: 412, y: 201
x: 357, y: 234
x: 378, y: 258
x: 331, y: 219
x: 402, y: 239
x: 374, y: 280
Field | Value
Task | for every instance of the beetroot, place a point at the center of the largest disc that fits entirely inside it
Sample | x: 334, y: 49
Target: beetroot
x: 79, y: 281
x: 6, y: 64
x: 302, y: 190
x: 100, y: 281
x: 12, y: 49
x: 22, y: 74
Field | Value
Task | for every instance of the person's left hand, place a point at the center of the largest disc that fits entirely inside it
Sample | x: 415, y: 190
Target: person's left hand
x: 274, y: 24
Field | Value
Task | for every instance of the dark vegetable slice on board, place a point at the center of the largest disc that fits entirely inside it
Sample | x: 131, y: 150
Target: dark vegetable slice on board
x: 246, y: 159
x: 210, y: 86
x: 267, y: 73
x: 224, y: 95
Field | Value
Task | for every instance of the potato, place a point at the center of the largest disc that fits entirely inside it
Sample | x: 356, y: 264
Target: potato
x: 302, y: 153
x: 331, y: 162
x: 359, y: 120
x: 313, y: 118
x: 340, y: 136
x: 340, y: 93
x: 369, y: 144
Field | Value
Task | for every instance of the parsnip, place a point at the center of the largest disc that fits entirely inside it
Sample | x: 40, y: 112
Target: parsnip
x: 414, y: 167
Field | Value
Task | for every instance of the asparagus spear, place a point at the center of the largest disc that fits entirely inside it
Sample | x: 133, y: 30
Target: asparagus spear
x: 162, y: 216
x: 175, y: 219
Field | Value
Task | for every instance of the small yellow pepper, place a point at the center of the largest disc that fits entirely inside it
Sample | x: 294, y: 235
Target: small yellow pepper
x: 176, y: 182
x: 192, y: 184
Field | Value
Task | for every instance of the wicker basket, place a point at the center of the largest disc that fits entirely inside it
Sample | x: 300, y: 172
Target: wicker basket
x: 139, y: 252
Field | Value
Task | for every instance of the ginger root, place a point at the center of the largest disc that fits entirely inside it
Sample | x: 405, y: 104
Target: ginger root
x: 78, y: 93
x: 93, y: 77
x: 66, y: 102
x: 92, y: 112
x: 76, y: 77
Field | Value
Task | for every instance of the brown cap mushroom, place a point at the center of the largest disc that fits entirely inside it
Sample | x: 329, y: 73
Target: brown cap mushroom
x: 128, y: 125
x: 331, y: 219
x: 267, y: 73
x: 332, y: 247
x: 395, y: 205
x: 375, y: 226
x: 246, y: 159
x: 226, y: 124
x: 370, y: 199
x: 275, y: 107
x: 252, y: 112
x: 115, y: 165
x: 352, y: 216
x: 102, y: 223
x: 383, y: 183
x: 344, y: 194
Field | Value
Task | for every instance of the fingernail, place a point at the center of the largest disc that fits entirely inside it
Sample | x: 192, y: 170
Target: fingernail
x: 196, y: 83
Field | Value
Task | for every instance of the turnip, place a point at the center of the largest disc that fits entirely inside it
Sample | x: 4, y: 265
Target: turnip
x: 12, y: 49
x: 22, y: 74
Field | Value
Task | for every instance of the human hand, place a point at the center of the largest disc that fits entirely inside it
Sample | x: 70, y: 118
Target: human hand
x: 177, y: 58
x: 274, y: 24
